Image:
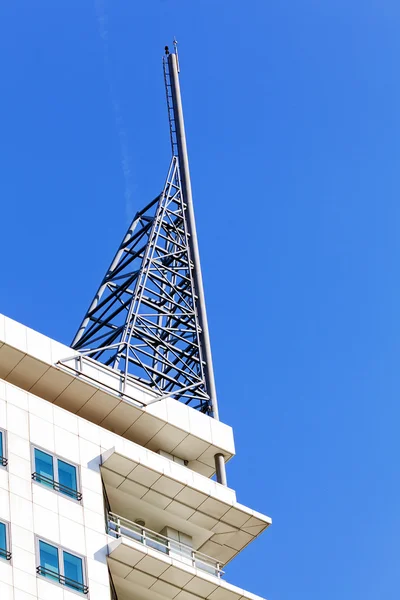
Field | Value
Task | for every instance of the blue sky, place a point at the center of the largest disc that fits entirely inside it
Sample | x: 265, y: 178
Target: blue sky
x: 293, y: 123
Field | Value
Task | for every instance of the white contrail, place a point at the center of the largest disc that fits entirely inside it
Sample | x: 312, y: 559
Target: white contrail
x: 126, y: 161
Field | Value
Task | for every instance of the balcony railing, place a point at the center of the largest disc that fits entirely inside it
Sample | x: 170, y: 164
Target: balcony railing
x: 70, y: 583
x: 58, y: 487
x: 5, y: 554
x: 120, y: 527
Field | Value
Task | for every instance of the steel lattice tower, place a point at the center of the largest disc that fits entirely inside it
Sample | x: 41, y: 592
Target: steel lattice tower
x: 148, y: 318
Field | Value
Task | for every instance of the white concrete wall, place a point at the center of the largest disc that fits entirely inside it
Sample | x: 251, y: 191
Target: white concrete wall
x: 31, y: 509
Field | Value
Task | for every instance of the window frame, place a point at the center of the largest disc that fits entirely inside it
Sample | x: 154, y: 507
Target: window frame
x: 7, y: 549
x: 56, y: 480
x: 60, y: 550
x: 3, y: 449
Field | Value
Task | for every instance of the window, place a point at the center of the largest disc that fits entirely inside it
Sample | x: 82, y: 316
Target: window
x: 3, y: 459
x: 67, y: 475
x: 61, y: 566
x: 56, y: 473
x: 5, y: 553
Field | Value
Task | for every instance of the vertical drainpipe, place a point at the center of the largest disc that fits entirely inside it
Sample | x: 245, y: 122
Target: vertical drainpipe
x: 194, y: 247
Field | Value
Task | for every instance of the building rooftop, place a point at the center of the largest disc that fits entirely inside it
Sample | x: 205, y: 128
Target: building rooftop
x: 91, y: 390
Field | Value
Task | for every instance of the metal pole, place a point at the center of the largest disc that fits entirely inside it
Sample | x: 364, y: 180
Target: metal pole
x: 220, y: 468
x: 187, y: 195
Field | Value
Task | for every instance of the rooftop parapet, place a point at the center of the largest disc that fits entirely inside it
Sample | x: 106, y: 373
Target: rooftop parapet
x: 93, y: 391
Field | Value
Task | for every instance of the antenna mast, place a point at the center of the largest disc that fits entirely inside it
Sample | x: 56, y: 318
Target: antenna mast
x: 148, y: 318
x: 179, y: 148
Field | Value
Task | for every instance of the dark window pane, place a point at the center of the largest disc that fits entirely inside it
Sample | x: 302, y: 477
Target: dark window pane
x: 49, y: 559
x: 73, y: 570
x: 1, y: 445
x: 44, y: 466
x: 3, y: 537
x: 67, y: 477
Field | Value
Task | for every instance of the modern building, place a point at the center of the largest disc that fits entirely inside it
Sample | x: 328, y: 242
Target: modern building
x: 108, y: 448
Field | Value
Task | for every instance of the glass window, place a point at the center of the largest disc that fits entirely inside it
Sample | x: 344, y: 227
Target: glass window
x: 62, y: 566
x: 73, y: 571
x: 1, y: 444
x: 48, y: 560
x: 67, y: 477
x: 44, y: 467
x: 3, y: 538
x: 56, y: 473
x: 4, y: 543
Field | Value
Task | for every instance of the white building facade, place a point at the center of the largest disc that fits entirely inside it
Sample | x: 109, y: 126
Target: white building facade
x: 106, y: 493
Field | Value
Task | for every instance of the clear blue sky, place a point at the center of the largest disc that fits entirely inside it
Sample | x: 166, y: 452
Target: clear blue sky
x: 293, y: 122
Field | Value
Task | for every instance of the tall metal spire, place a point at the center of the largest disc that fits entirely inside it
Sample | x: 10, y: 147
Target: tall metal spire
x: 148, y: 318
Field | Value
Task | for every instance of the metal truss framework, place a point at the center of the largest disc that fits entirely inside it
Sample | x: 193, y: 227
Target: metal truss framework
x: 143, y: 320
x: 148, y: 319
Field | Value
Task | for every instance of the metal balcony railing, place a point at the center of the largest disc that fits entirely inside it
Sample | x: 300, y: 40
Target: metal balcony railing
x: 120, y: 527
x: 5, y: 554
x: 58, y: 487
x: 70, y: 583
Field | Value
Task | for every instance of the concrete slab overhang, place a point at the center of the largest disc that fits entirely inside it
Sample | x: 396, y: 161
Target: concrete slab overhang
x: 164, y: 493
x: 141, y: 573
x: 93, y: 391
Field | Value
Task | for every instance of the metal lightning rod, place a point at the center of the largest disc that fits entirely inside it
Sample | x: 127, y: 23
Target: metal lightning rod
x: 173, y: 67
x: 193, y: 241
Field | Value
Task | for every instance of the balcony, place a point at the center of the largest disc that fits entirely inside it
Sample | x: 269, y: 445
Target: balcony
x: 139, y: 484
x: 120, y: 527
x: 145, y: 565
